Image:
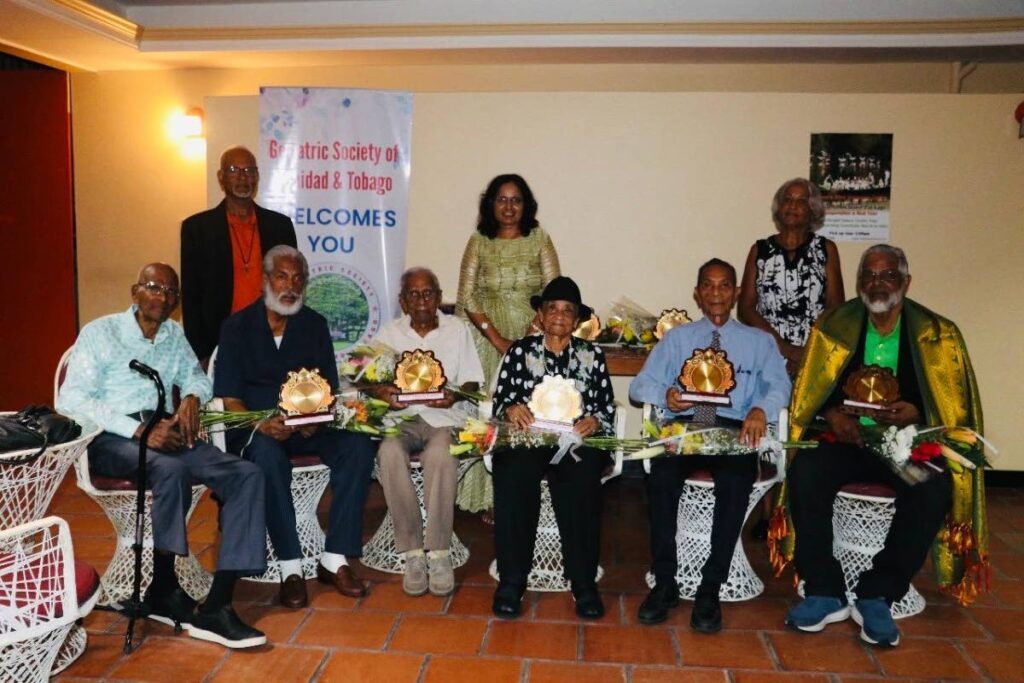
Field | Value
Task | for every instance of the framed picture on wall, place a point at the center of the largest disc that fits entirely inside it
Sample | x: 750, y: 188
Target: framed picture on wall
x: 854, y: 172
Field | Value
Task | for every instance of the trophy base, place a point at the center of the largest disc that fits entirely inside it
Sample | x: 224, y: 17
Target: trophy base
x: 552, y: 426
x: 419, y: 396
x: 864, y: 408
x: 698, y: 397
x: 316, y: 418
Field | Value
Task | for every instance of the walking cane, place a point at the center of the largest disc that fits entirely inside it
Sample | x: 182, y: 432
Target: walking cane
x: 135, y: 609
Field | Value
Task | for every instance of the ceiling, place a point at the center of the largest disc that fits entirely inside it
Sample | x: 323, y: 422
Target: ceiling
x: 104, y: 35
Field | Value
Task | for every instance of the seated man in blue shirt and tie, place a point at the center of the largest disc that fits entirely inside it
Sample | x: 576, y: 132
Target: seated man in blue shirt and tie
x: 259, y: 346
x: 101, y: 387
x: 761, y: 391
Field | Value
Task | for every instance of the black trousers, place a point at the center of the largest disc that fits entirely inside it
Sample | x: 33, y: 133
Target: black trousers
x: 734, y: 477
x: 815, y: 477
x: 576, y: 496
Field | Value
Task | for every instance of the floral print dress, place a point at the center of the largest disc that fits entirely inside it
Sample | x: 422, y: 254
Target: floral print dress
x: 791, y: 293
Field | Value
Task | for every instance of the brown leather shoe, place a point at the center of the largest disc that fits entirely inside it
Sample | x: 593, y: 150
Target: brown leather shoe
x: 293, y: 592
x: 344, y: 581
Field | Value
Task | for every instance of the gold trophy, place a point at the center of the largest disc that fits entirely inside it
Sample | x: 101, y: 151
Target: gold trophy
x: 306, y: 398
x: 670, y: 317
x: 869, y: 390
x: 556, y: 404
x: 589, y: 328
x: 419, y: 377
x: 707, y: 377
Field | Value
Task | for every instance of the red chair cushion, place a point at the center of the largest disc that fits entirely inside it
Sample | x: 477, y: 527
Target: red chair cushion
x: 766, y: 472
x: 869, y: 488
x: 102, y: 483
x: 304, y: 460
x: 87, y: 582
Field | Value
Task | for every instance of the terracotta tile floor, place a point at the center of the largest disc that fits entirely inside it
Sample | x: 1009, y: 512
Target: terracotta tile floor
x: 390, y: 637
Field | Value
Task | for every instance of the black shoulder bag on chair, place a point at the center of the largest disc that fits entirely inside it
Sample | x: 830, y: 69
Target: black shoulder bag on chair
x: 35, y: 427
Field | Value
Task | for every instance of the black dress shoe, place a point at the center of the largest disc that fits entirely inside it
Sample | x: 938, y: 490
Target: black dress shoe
x: 174, y: 609
x: 588, y: 601
x: 225, y: 628
x: 508, y: 600
x: 654, y: 609
x: 293, y: 592
x: 707, y: 611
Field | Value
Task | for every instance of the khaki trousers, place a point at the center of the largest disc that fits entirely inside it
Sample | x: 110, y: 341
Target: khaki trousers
x: 440, y: 474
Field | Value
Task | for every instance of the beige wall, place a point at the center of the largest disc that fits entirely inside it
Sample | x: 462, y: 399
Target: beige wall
x: 637, y: 188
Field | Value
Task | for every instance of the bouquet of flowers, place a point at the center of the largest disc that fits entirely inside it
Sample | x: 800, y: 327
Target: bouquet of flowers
x: 360, y: 415
x: 629, y: 325
x: 477, y: 438
x: 372, y: 363
x: 676, y: 438
x: 916, y: 454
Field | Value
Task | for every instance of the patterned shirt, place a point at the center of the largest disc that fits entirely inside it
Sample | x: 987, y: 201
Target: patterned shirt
x: 103, y: 389
x: 791, y: 294
x: 528, y: 361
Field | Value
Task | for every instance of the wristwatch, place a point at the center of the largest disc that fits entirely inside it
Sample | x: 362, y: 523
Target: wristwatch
x: 485, y: 326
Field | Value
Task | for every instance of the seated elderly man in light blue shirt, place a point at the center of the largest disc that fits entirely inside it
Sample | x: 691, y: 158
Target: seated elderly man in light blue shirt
x: 761, y: 391
x: 101, y: 388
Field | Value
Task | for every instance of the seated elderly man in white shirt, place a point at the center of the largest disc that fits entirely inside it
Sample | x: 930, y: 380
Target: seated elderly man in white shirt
x: 429, y: 432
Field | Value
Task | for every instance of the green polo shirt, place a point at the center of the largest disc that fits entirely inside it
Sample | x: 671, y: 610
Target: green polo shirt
x: 883, y: 351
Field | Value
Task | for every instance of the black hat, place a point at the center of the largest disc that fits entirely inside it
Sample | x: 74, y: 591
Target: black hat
x: 563, y: 289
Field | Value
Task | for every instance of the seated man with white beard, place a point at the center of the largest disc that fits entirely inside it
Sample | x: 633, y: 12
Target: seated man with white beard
x: 259, y: 346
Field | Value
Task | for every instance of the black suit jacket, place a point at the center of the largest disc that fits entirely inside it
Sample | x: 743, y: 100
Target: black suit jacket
x: 207, y: 276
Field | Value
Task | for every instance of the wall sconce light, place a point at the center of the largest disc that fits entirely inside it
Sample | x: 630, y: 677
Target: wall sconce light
x: 187, y: 130
x: 1019, y: 115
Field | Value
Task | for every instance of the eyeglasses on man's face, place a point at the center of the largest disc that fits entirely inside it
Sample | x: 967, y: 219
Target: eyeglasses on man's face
x: 420, y: 294
x: 888, y: 277
x: 155, y: 288
x: 242, y: 170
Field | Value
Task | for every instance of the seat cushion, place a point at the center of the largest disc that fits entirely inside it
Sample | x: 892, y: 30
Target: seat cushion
x: 305, y: 460
x: 869, y: 488
x: 101, y: 483
x: 765, y: 472
x: 41, y: 579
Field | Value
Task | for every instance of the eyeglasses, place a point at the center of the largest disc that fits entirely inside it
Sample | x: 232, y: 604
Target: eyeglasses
x: 155, y: 288
x: 889, y: 277
x: 243, y: 170
x: 514, y: 201
x: 420, y: 294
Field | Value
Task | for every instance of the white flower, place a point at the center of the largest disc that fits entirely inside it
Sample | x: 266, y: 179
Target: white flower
x: 535, y: 364
x: 586, y: 358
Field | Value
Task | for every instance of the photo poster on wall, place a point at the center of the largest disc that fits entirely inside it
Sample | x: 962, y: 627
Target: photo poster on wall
x: 337, y: 162
x: 854, y: 172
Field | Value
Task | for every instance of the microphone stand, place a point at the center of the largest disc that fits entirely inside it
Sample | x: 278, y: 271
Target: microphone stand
x: 135, y: 609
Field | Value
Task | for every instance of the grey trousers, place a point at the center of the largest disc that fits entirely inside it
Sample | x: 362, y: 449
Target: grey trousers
x: 238, y: 485
x: 440, y: 474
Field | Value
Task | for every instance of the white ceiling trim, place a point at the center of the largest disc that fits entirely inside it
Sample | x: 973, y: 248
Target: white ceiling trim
x: 87, y: 16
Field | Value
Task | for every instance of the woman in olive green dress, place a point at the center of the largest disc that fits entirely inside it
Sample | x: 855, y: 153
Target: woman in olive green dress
x: 509, y: 259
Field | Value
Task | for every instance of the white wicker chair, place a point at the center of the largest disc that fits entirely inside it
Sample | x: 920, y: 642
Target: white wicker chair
x: 693, y: 530
x: 25, y: 495
x: 380, y: 552
x: 860, y: 522
x: 548, y: 571
x: 116, y: 497
x: 309, y: 481
x: 39, y: 599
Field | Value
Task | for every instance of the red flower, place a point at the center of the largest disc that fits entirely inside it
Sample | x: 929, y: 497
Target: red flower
x: 827, y: 437
x: 925, y: 451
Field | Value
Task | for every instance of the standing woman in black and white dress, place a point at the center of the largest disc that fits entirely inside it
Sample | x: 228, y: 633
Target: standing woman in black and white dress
x: 793, y: 276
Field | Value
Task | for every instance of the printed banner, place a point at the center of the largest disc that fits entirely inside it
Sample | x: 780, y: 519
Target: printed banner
x: 854, y: 172
x: 338, y: 163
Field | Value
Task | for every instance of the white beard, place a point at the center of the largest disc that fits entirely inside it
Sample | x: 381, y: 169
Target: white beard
x: 894, y: 300
x: 274, y: 303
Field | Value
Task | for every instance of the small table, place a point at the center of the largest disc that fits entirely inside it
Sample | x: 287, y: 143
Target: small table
x: 624, y: 360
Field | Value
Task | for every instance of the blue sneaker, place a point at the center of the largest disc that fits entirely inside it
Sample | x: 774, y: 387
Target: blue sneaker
x: 876, y: 624
x: 816, y: 612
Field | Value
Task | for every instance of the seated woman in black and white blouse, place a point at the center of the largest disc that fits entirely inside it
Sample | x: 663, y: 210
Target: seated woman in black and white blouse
x: 575, y: 481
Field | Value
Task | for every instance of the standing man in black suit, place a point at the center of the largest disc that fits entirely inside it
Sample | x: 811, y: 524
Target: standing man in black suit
x: 222, y: 252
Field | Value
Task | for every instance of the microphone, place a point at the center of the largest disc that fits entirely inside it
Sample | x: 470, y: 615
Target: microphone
x: 143, y: 369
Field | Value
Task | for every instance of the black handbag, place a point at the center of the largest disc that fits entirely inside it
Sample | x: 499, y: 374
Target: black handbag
x: 35, y: 427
